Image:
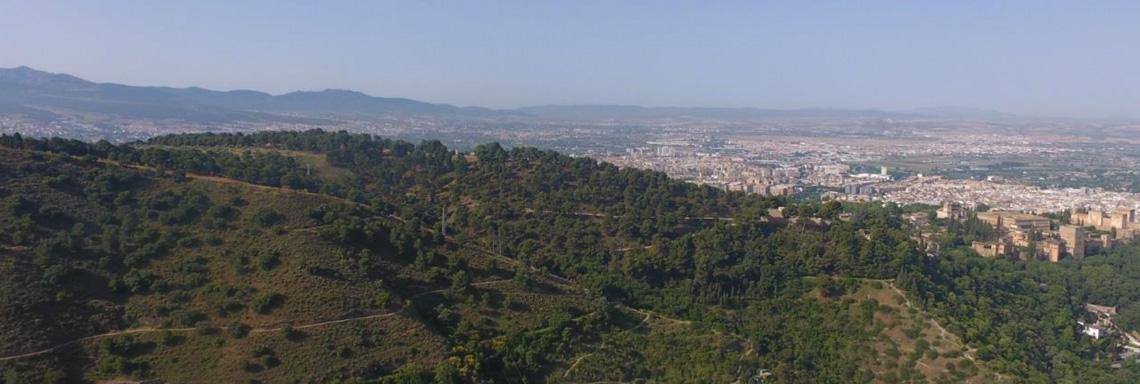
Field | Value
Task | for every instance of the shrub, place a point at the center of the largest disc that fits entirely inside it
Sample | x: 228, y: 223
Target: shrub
x: 382, y: 299
x: 269, y: 260
x: 219, y: 216
x: 270, y: 361
x: 238, y: 330
x: 290, y: 334
x: 250, y: 366
x: 267, y: 217
x: 190, y: 318
x: 266, y: 302
x: 261, y: 350
x: 169, y: 339
x: 912, y: 332
x: 112, y: 364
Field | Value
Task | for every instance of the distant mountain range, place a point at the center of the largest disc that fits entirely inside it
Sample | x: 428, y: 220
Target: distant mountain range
x: 42, y: 94
x: 47, y: 96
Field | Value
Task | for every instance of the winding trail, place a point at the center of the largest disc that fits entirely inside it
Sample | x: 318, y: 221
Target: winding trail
x: 577, y: 361
x: 942, y: 331
x: 94, y: 337
x: 557, y: 280
x: 330, y: 322
x: 153, y: 330
x: 575, y: 364
x: 602, y: 215
x: 553, y: 278
x: 254, y: 330
x: 225, y: 180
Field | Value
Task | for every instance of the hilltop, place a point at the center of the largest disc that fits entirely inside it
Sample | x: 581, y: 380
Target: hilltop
x: 326, y: 256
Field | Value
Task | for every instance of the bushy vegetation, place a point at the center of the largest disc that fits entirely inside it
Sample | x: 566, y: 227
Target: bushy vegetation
x: 497, y: 265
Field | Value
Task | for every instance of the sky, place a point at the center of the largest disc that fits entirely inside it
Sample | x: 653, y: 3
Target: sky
x: 1055, y: 58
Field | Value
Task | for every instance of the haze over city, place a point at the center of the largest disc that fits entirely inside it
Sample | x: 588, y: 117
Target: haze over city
x: 1050, y: 58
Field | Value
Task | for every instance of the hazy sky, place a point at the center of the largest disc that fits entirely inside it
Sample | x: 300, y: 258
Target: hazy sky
x: 1037, y: 57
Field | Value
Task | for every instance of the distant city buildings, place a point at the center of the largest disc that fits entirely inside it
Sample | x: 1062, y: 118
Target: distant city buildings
x: 1121, y: 219
x: 1096, y: 219
x: 831, y: 168
x: 951, y: 210
x: 1031, y: 237
x: 1013, y: 221
x: 935, y: 190
x: 1073, y: 237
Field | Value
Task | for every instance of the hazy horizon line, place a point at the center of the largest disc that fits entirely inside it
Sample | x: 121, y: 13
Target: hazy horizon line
x: 904, y: 111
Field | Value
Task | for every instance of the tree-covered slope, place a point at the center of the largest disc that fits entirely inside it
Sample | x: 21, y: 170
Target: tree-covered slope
x: 319, y: 256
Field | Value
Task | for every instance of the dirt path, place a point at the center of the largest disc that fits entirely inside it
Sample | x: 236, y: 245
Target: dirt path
x: 557, y: 280
x: 255, y: 330
x: 153, y: 330
x: 330, y: 322
x: 575, y: 364
x: 226, y: 180
x: 649, y: 313
x: 577, y: 361
x: 942, y: 331
x: 602, y: 215
x: 93, y: 337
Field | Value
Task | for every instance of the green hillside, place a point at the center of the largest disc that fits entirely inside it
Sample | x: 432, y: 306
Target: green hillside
x: 323, y: 257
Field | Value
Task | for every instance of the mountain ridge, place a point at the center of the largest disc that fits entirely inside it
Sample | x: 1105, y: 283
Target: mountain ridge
x: 45, y: 94
x: 27, y: 88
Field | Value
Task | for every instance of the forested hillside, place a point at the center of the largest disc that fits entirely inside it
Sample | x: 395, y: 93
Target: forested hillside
x: 319, y: 256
